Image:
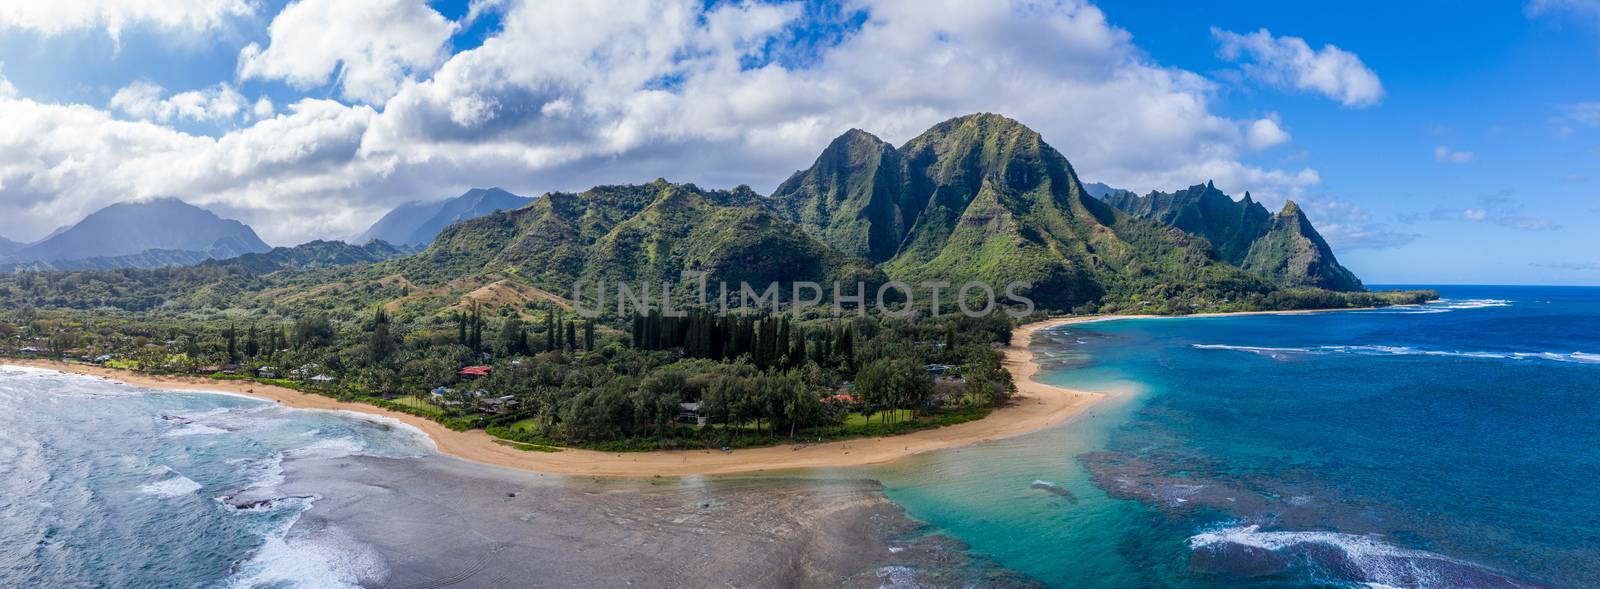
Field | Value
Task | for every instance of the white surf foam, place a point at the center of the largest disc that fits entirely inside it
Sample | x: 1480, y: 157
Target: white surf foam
x: 1380, y: 350
x: 393, y: 423
x: 324, y: 558
x: 328, y: 448
x: 171, y: 487
x: 1379, y: 563
x: 194, y: 429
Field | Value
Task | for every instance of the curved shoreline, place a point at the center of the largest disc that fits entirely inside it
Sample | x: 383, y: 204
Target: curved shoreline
x: 1035, y: 406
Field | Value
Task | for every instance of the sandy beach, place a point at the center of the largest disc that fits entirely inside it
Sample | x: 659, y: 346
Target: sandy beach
x: 1034, y: 407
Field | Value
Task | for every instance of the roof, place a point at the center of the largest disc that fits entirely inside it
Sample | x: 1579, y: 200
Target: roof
x: 842, y: 398
x: 476, y: 370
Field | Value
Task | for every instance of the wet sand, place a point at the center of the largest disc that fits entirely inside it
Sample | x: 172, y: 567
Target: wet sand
x: 439, y: 521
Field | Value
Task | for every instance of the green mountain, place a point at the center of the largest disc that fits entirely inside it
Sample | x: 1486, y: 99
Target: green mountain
x: 852, y: 197
x: 312, y: 255
x: 1284, y: 248
x: 983, y: 197
x: 636, y: 233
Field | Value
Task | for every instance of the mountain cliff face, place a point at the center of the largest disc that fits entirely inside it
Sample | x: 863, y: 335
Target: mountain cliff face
x: 417, y: 223
x: 635, y: 233
x: 852, y: 197
x: 983, y: 197
x: 1293, y: 253
x: 143, y: 234
x: 1284, y: 248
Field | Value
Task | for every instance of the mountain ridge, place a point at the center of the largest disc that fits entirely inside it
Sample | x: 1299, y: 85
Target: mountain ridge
x: 120, y: 236
x: 1286, y: 251
x: 419, y: 222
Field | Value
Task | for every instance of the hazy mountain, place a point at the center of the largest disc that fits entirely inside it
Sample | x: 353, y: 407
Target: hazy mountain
x: 1098, y: 190
x: 417, y: 223
x: 134, y: 228
x: 1282, y: 248
x: 8, y: 247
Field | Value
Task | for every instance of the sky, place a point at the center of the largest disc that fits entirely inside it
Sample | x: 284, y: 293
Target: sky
x: 1430, y: 142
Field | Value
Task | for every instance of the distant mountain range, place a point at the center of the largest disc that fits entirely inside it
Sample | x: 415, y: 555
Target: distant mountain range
x: 154, y: 233
x: 1283, y: 248
x: 418, y: 223
x: 8, y: 247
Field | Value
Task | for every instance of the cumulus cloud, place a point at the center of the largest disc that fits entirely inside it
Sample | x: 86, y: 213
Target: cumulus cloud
x: 1291, y: 62
x: 54, y: 17
x: 1444, y: 154
x: 570, y: 94
x: 372, y: 45
x: 145, y: 100
x: 1265, y: 133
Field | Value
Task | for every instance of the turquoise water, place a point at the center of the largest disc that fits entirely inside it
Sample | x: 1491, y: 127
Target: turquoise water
x: 105, y: 485
x: 1451, y: 445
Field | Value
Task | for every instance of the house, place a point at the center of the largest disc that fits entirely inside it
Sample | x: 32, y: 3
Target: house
x: 30, y: 350
x: 500, y: 404
x: 472, y: 372
x: 267, y: 372
x: 323, y: 379
x: 691, y: 412
x: 940, y: 369
x: 304, y: 371
x: 103, y: 358
x: 842, y: 398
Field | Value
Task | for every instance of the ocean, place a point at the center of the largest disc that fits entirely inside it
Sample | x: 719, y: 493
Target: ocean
x: 1454, y: 444
x: 107, y: 485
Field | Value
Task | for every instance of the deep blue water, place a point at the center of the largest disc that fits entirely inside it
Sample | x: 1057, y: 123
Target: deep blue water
x: 106, y: 485
x: 1451, y: 445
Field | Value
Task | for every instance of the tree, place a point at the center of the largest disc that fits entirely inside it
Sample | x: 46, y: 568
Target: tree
x: 380, y: 344
x: 252, y: 348
x: 231, y: 336
x: 512, y: 339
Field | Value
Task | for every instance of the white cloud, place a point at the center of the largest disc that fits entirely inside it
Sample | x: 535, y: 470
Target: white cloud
x: 1265, y: 133
x: 263, y: 108
x: 1290, y: 62
x: 148, y: 101
x: 54, y: 17
x: 1444, y: 154
x: 373, y: 46
x: 570, y: 94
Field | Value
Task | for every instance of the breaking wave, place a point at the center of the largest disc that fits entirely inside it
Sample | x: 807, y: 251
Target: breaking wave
x: 1444, y: 306
x: 1377, y: 350
x: 1319, y: 555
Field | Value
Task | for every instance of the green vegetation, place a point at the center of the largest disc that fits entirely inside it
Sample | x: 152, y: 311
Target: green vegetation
x: 975, y: 198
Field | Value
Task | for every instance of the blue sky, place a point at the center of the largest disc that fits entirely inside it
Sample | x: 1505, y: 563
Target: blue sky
x: 1478, y: 77
x: 1448, y: 143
